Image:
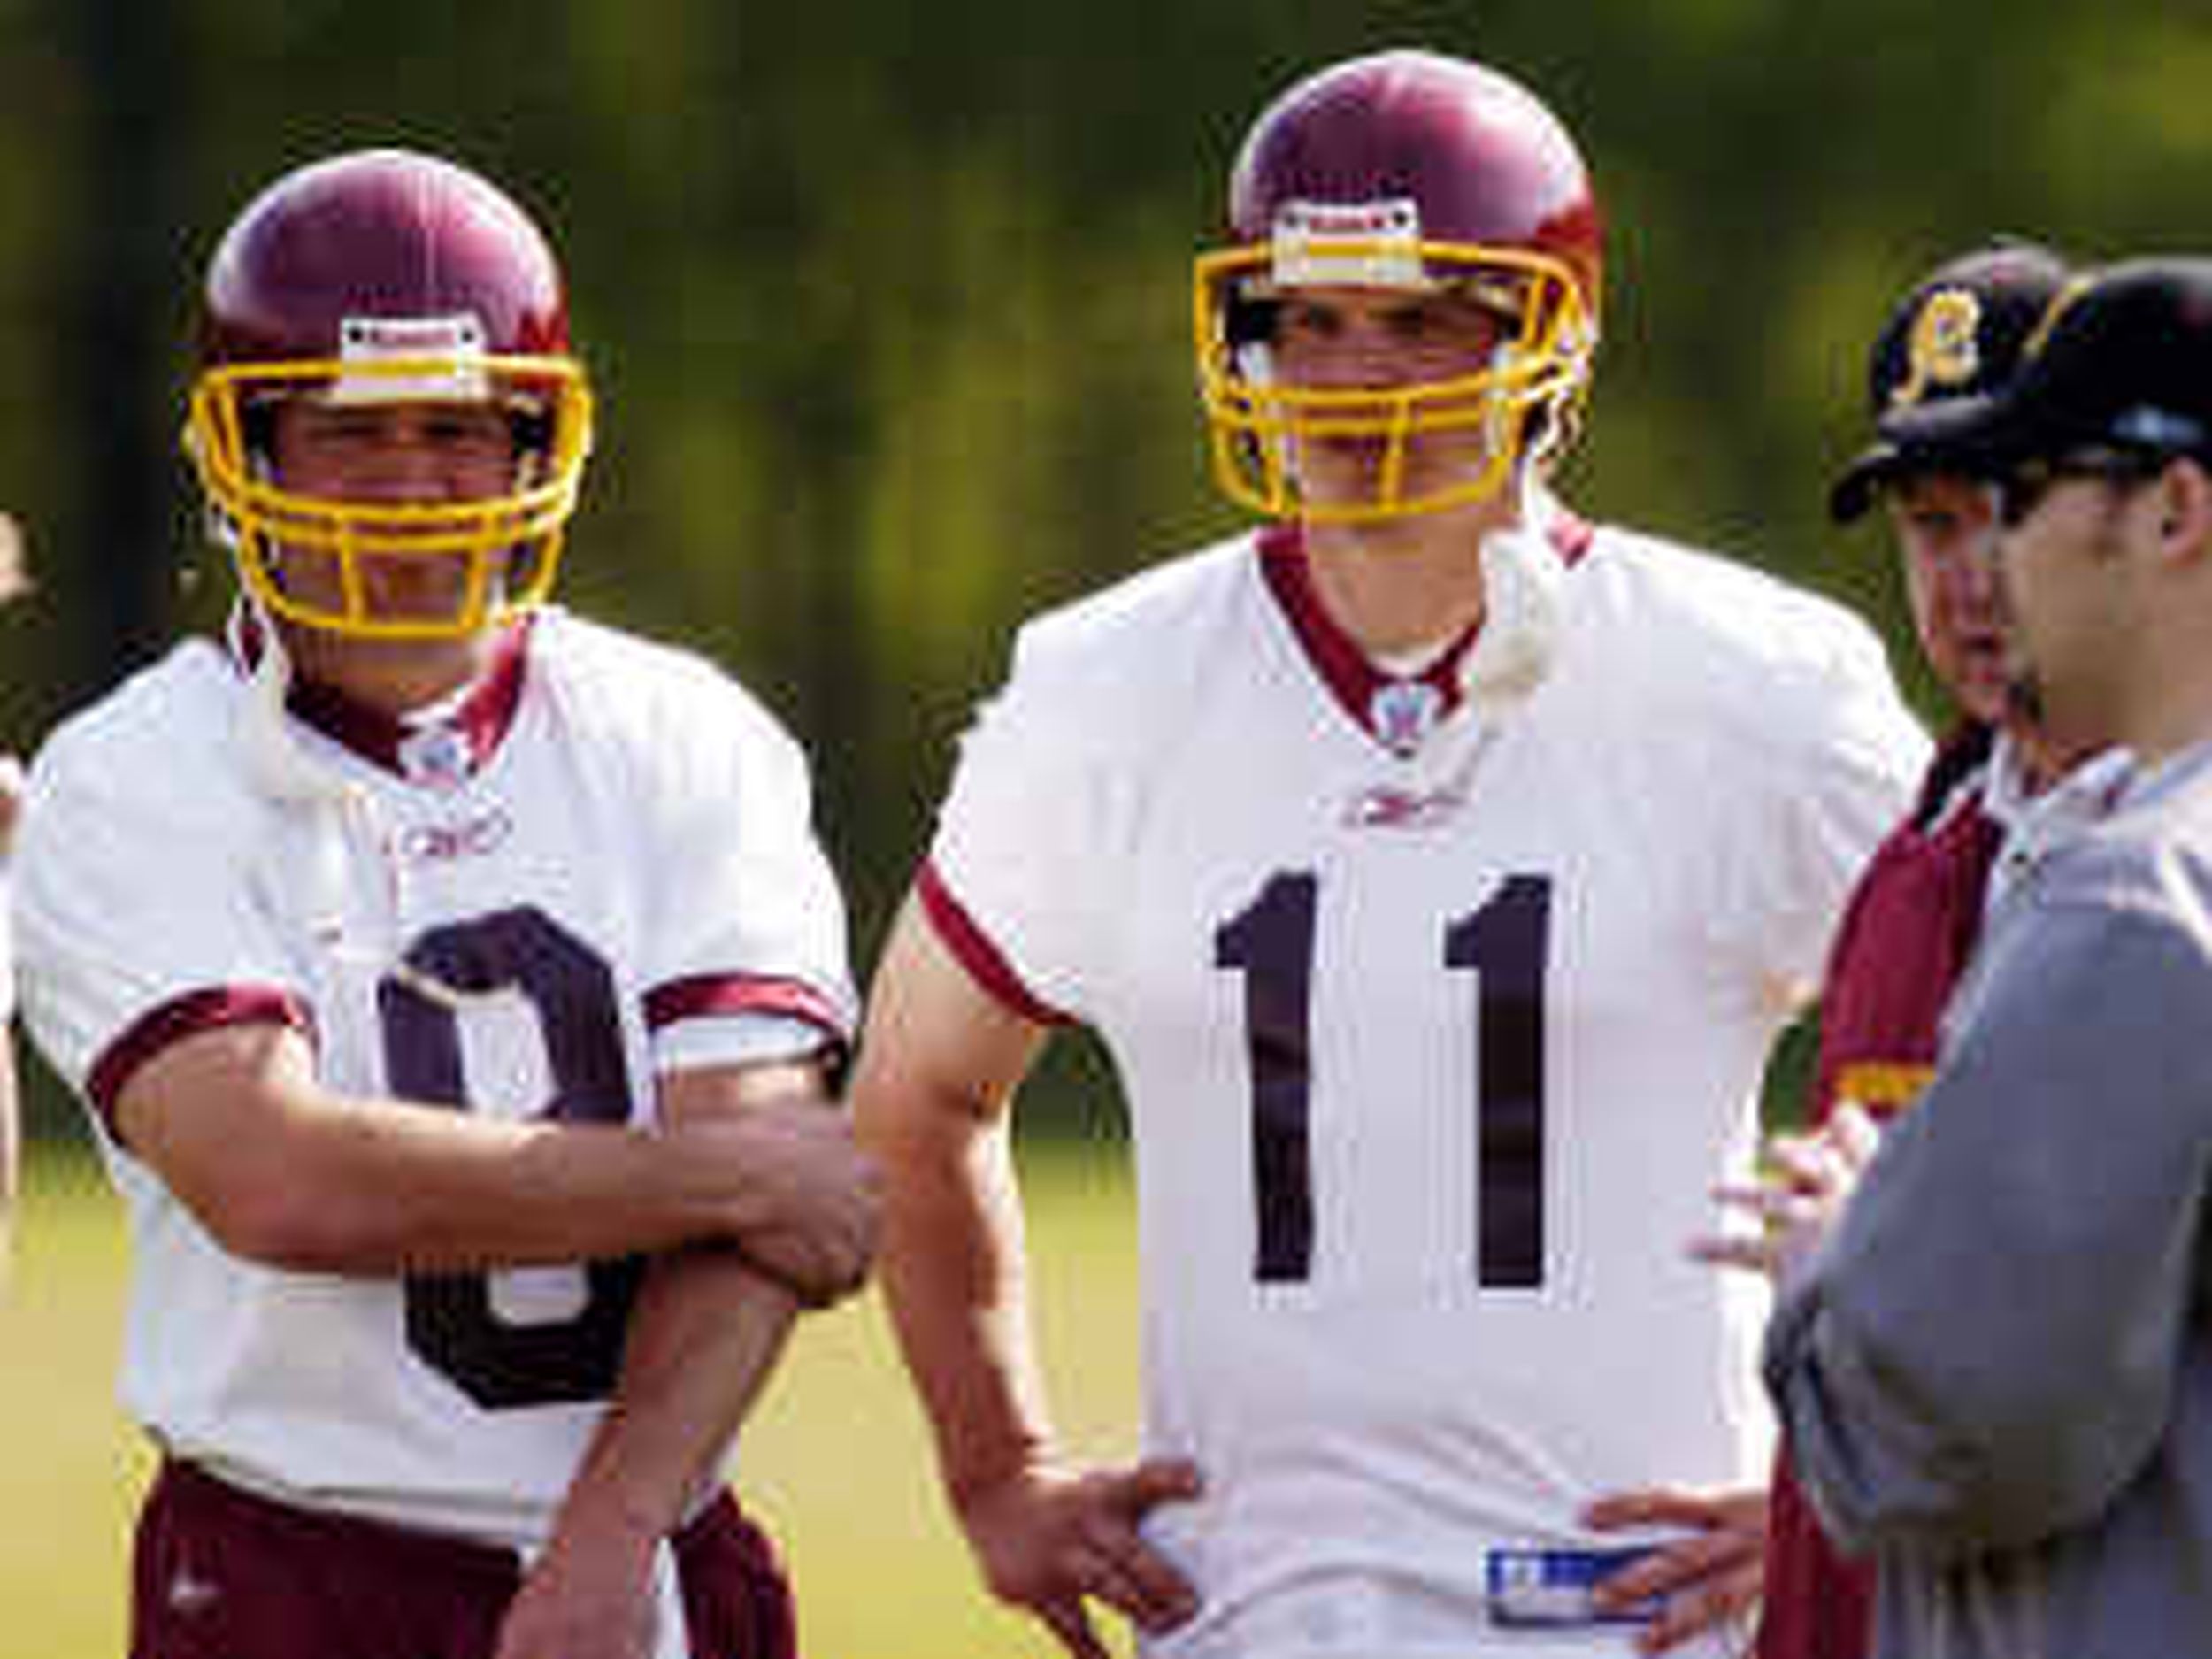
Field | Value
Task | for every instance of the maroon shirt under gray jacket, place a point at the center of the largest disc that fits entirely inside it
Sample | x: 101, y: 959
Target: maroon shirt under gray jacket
x: 1996, y: 1375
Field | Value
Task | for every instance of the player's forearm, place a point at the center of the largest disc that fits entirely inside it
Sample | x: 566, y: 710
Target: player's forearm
x: 385, y: 1187
x: 704, y: 1336
x: 281, y: 1171
x: 708, y: 1329
x: 406, y: 1189
x: 931, y: 1102
x: 953, y: 1275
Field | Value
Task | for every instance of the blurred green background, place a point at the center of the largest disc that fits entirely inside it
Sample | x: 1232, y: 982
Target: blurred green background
x: 886, y: 307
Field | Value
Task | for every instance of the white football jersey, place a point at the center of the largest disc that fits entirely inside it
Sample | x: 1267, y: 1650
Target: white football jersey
x: 596, y: 867
x: 1435, y: 1033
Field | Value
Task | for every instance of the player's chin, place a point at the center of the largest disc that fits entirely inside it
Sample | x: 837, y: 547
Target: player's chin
x: 1352, y: 471
x: 1984, y: 688
x: 1343, y: 467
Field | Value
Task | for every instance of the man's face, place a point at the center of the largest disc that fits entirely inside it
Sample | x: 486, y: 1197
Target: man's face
x: 390, y: 455
x: 1385, y: 341
x: 2066, y: 587
x: 1946, y: 529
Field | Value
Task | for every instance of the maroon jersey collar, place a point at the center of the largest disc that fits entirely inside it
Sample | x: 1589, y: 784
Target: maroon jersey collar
x: 1396, y: 711
x: 442, y: 749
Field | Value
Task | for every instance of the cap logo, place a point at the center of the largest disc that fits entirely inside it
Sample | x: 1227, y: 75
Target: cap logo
x: 1348, y: 244
x: 1944, y: 352
x: 371, y: 339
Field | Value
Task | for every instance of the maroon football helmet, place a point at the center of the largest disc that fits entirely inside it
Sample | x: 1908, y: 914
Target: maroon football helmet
x: 388, y: 277
x: 1404, y: 169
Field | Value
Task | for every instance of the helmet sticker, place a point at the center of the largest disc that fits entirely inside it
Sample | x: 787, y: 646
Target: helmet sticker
x: 436, y: 351
x: 1348, y: 244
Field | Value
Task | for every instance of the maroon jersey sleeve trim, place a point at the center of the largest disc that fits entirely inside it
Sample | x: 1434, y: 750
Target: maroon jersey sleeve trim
x: 715, y: 994
x: 985, y: 962
x: 183, y: 1017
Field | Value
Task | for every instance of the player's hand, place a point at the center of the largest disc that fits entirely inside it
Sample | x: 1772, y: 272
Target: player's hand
x: 1705, y: 1580
x: 805, y: 1203
x: 1049, y: 1540
x: 1809, y: 1179
x: 581, y: 1601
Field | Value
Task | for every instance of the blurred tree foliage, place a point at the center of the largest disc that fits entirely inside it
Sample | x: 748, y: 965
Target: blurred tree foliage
x: 887, y: 304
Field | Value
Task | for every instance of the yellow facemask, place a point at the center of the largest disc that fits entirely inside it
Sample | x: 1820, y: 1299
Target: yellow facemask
x: 510, y: 542
x: 1526, y: 402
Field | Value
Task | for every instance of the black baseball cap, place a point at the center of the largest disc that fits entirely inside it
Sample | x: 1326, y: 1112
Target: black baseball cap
x: 1956, y: 339
x: 2123, y: 358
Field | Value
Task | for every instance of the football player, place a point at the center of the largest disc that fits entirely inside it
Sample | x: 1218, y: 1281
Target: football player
x: 1913, y: 919
x: 1437, y: 866
x: 453, y: 984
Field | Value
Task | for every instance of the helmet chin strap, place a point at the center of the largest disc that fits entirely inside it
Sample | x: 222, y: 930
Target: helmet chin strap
x: 1523, y: 583
x: 337, y: 816
x: 282, y: 770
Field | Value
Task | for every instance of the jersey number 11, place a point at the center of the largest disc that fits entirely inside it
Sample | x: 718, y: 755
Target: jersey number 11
x: 1504, y: 943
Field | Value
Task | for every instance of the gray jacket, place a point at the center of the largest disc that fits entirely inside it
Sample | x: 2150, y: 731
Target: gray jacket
x: 1996, y: 1375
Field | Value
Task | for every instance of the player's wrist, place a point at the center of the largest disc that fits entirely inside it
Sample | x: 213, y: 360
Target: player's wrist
x: 615, y: 1523
x: 689, y: 1179
x: 974, y: 1484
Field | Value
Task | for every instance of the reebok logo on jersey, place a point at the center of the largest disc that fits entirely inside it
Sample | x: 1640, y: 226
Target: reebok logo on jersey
x: 1387, y: 807
x: 440, y: 844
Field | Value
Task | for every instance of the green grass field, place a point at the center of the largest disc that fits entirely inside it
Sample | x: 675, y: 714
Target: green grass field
x: 836, y: 1462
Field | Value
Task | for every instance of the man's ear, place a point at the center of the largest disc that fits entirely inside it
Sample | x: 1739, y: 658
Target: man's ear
x: 2184, y: 509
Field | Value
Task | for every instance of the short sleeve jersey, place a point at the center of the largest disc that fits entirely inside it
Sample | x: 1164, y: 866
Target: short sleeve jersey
x: 596, y: 867
x: 1433, y: 1048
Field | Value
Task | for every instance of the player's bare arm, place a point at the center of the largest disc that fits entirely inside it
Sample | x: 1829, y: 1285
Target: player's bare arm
x: 283, y: 1171
x: 939, y: 1061
x: 706, y: 1332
